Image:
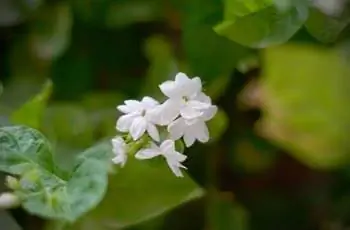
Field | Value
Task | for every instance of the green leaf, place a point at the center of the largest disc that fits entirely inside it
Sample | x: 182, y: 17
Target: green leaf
x: 23, y: 149
x: 50, y: 33
x: 44, y: 189
x: 241, y: 8
x: 305, y: 93
x: 31, y: 113
x: 217, y: 59
x: 75, y: 128
x: 214, y: 56
x: 125, y: 13
x: 323, y: 27
x: 267, y: 24
x: 132, y: 198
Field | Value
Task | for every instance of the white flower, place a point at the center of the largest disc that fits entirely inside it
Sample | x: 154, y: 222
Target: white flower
x: 193, y: 129
x: 167, y: 150
x: 8, y: 200
x: 138, y: 118
x: 185, y: 98
x: 120, y: 151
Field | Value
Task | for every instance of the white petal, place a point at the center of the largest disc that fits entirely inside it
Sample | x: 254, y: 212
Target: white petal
x: 197, y: 84
x: 188, y: 112
x: 153, y: 114
x: 168, y: 111
x: 176, y: 169
x: 118, y: 145
x: 177, y: 128
x: 170, y: 89
x: 198, y: 105
x: 189, y: 122
x: 124, y: 122
x: 153, y: 131
x: 149, y: 102
x: 189, y: 139
x: 124, y: 109
x: 138, y: 128
x: 181, y: 78
x: 147, y: 153
x: 120, y: 159
x: 202, y: 97
x: 201, y: 131
x: 176, y: 157
x: 209, y: 113
x: 133, y: 105
x: 167, y: 147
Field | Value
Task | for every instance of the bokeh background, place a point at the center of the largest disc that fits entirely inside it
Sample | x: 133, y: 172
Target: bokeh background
x: 278, y: 70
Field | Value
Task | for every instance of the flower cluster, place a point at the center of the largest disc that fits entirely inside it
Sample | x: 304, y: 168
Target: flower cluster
x: 182, y: 115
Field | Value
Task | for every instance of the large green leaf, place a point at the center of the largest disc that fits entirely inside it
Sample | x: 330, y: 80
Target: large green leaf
x: 44, y: 188
x: 324, y: 27
x: 140, y: 191
x: 305, y: 94
x: 261, y: 23
x: 73, y: 128
x: 23, y: 149
x: 31, y: 113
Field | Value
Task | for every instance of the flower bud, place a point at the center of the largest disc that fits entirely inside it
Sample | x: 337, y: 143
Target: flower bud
x: 9, y: 200
x: 12, y: 182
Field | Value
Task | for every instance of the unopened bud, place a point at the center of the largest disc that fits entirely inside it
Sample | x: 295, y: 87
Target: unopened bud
x: 9, y: 200
x: 12, y: 182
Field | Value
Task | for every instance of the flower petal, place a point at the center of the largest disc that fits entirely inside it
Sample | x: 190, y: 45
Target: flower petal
x: 147, y: 153
x: 168, y: 111
x: 186, y: 87
x: 201, y: 131
x: 170, y: 89
x: 202, y: 97
x: 189, y: 139
x: 153, y: 131
x: 187, y: 112
x: 118, y: 145
x: 198, y: 105
x: 134, y: 105
x: 124, y: 109
x: 209, y: 113
x: 124, y: 122
x: 177, y: 128
x: 181, y: 78
x: 149, y: 102
x: 167, y: 147
x: 197, y: 84
x: 176, y: 157
x: 138, y: 127
x: 176, y: 169
x: 120, y: 159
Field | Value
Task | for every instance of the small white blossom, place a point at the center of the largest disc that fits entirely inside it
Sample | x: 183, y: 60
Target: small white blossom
x: 8, y: 200
x: 138, y: 118
x: 120, y: 151
x: 167, y: 150
x: 192, y: 129
x: 185, y: 98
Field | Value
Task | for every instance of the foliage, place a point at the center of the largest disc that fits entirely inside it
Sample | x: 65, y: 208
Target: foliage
x: 66, y: 65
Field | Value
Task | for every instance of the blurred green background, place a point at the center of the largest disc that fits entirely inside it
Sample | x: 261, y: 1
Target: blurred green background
x: 279, y: 70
